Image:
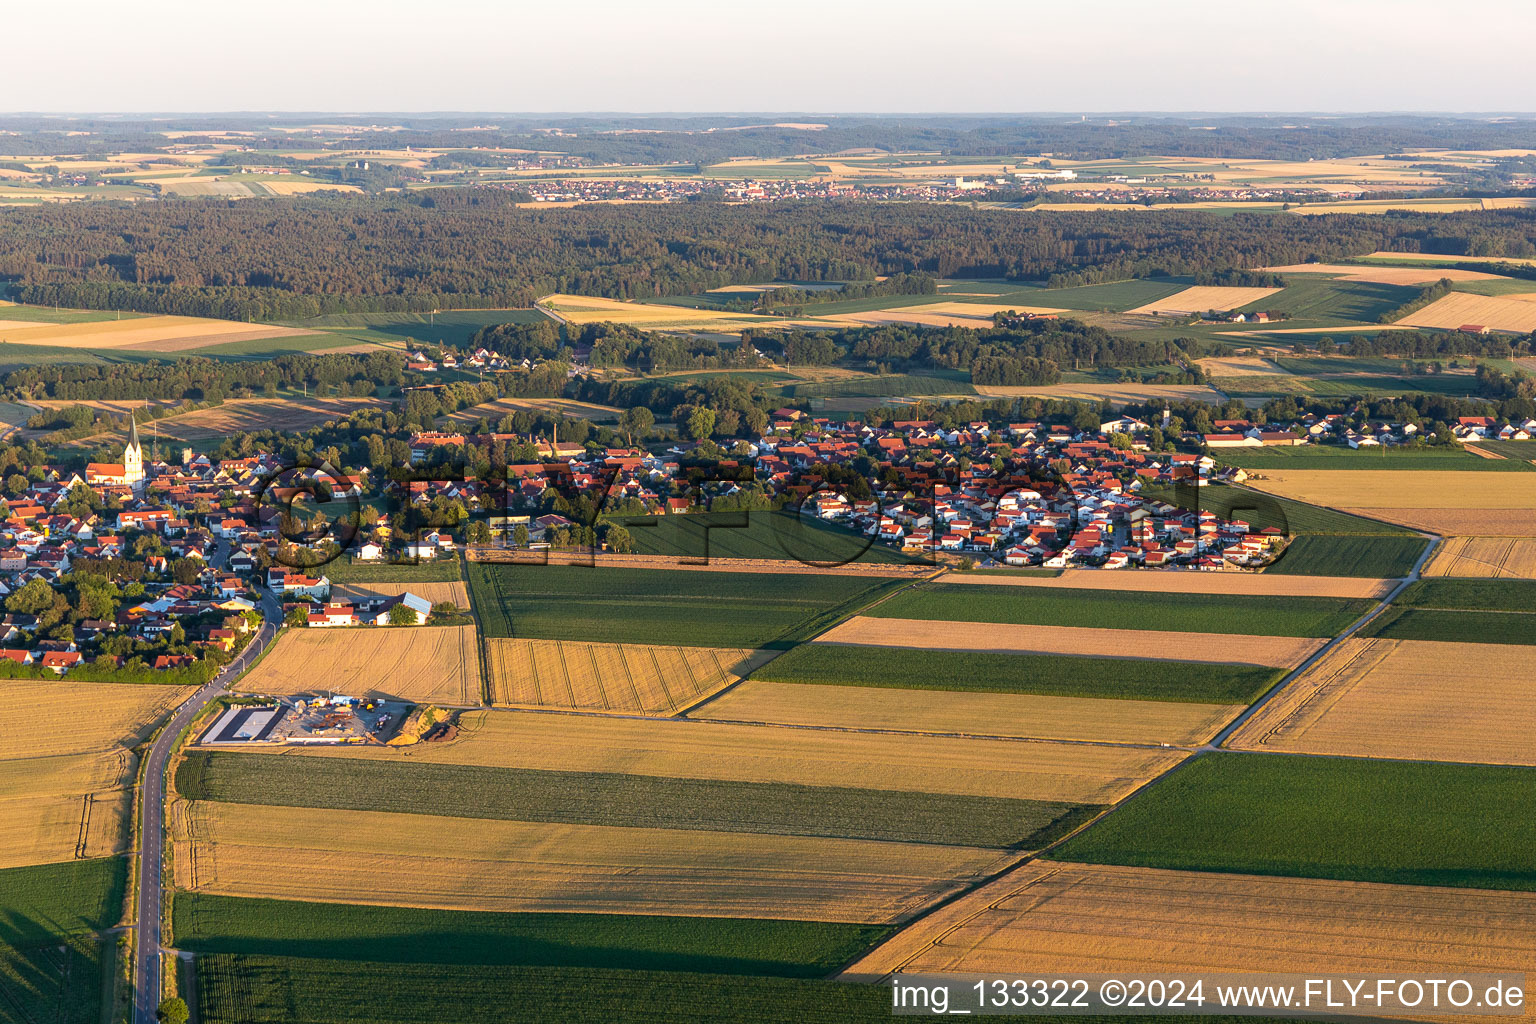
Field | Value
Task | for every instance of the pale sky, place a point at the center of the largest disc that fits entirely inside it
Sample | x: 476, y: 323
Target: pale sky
x: 773, y: 55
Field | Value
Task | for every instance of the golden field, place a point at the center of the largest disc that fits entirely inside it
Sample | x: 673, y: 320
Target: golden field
x: 65, y: 768
x: 1405, y: 699
x: 494, y: 411
x: 1200, y: 298
x: 1383, y: 205
x: 585, y: 309
x: 1099, y: 392
x: 1162, y: 581
x: 1485, y: 558
x: 1221, y: 648
x: 969, y: 714
x: 1241, y: 366
x: 437, y: 664
x: 438, y: 593
x: 693, y: 749
x: 44, y: 718
x: 1052, y: 918
x: 287, y: 186
x: 1366, y: 489
x: 1386, y: 275
x: 935, y: 314
x: 629, y: 678
x: 1452, y: 522
x: 144, y: 333
x: 1499, y: 312
x: 248, y: 414
x: 1408, y: 257
x: 421, y: 860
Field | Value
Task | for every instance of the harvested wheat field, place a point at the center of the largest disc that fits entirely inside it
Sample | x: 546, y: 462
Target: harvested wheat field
x: 1407, y: 699
x: 1384, y: 275
x: 585, y: 309
x: 627, y: 678
x: 970, y: 714
x: 1499, y: 312
x: 439, y: 664
x: 298, y: 186
x: 47, y: 718
x: 1218, y: 648
x: 1099, y: 392
x: 1512, y: 558
x: 1367, y: 490
x: 248, y: 414
x: 437, y: 593
x: 1181, y: 582
x: 1200, y: 298
x: 65, y: 771
x: 148, y: 333
x: 494, y: 411
x: 1406, y: 257
x: 1241, y: 366
x: 938, y: 314
x: 1052, y: 918
x: 691, y: 749
x: 64, y: 807
x: 1452, y: 522
x: 421, y: 860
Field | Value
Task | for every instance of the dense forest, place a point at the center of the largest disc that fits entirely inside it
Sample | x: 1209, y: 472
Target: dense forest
x: 288, y: 259
x: 200, y: 379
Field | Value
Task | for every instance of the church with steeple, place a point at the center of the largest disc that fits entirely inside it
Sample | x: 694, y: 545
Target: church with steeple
x: 129, y: 472
x: 133, y: 457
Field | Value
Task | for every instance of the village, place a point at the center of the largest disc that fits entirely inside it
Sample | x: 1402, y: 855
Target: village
x: 204, y: 542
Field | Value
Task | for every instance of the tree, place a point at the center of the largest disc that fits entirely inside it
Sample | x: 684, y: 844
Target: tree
x: 619, y: 540
x: 520, y: 535
x: 701, y: 423
x: 187, y: 570
x: 636, y: 420
x: 403, y: 614
x: 172, y: 1011
x: 298, y: 615
x: 32, y: 599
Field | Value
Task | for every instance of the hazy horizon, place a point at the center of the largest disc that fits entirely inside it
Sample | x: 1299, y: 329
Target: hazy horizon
x: 901, y: 57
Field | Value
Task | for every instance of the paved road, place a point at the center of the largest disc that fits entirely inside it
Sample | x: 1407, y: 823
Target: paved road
x: 146, y: 971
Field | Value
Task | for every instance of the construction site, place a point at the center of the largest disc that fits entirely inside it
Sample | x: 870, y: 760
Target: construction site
x: 308, y: 721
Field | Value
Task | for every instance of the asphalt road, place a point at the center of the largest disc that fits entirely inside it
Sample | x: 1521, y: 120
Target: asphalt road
x: 152, y: 835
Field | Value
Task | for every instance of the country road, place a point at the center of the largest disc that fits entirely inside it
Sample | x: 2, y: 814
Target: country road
x: 152, y: 836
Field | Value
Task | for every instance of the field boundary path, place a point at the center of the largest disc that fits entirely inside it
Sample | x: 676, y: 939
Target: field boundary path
x: 150, y: 901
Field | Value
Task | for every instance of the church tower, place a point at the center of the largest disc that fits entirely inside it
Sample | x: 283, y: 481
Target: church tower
x: 133, y: 456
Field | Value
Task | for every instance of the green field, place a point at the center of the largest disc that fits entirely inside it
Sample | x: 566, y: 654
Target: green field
x: 270, y: 348
x: 76, y: 897
x: 1470, y: 595
x: 452, y: 327
x: 889, y: 385
x: 240, y: 989
x: 1407, y: 822
x: 52, y: 315
x: 1116, y: 609
x: 1114, y: 298
x: 51, y: 969
x: 768, y: 535
x: 633, y: 801
x: 1522, y: 450
x: 1265, y: 510
x: 1314, y: 456
x: 707, y: 945
x: 664, y: 606
x: 1454, y: 626
x: 1051, y: 675
x: 1318, y: 298
x: 1372, y: 557
x: 61, y: 980
x: 344, y: 570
